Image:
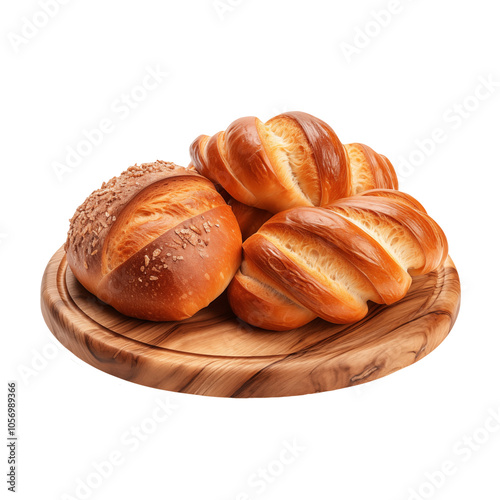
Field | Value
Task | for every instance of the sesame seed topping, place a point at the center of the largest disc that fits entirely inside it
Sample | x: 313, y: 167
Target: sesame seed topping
x: 101, y: 208
x: 153, y: 278
x: 146, y: 260
x: 156, y: 253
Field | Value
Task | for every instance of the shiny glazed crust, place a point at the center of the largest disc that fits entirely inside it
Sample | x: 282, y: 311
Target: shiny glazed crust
x: 157, y: 243
x: 294, y: 159
x: 330, y: 261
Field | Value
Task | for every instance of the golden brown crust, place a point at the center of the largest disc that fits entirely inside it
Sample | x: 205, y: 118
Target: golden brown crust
x: 294, y: 159
x: 179, y: 273
x: 140, y: 242
x: 249, y: 218
x: 329, y: 156
x: 263, y: 307
x: 94, y: 218
x: 332, y: 260
x: 396, y: 195
x: 425, y: 231
x: 208, y: 161
x: 369, y: 170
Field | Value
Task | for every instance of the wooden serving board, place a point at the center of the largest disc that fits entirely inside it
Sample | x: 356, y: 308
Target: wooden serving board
x: 215, y: 354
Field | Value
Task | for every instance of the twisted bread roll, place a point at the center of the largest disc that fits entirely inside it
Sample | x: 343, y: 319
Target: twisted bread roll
x: 157, y: 243
x: 328, y: 262
x: 294, y: 159
x: 368, y: 169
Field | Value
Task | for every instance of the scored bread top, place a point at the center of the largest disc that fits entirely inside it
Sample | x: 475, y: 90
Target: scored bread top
x: 128, y: 212
x: 369, y: 170
x: 293, y: 159
x: 332, y: 260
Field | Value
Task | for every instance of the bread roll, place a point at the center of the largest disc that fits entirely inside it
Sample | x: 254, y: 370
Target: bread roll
x: 368, y: 170
x: 330, y: 261
x: 249, y: 218
x: 294, y: 159
x: 157, y: 243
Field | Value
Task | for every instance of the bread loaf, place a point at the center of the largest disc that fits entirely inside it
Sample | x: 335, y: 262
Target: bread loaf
x: 294, y: 159
x: 157, y: 243
x: 330, y: 261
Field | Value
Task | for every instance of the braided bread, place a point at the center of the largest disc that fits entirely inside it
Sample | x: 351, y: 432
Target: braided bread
x: 294, y: 159
x: 330, y: 261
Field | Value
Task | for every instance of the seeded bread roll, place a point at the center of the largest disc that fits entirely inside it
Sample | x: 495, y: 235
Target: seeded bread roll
x: 330, y: 261
x: 292, y: 160
x: 157, y: 243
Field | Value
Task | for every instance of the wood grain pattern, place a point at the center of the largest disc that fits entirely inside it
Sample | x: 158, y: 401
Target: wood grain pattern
x: 215, y: 354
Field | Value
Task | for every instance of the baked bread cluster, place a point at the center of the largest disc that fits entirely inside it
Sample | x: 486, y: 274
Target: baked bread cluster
x: 325, y: 230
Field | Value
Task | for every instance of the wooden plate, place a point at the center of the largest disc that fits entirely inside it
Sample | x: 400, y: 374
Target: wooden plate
x: 215, y: 354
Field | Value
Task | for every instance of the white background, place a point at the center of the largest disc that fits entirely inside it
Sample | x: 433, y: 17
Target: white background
x: 252, y: 57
